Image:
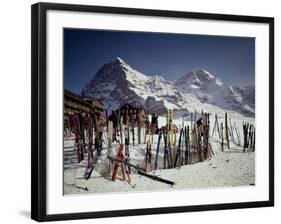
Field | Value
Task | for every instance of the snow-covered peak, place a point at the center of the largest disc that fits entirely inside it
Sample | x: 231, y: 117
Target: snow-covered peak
x: 202, y: 74
x: 120, y: 60
x: 199, y: 78
x: 117, y: 61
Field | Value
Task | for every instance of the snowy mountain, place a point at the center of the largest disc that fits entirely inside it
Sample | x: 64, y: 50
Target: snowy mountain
x: 209, y: 89
x: 117, y: 83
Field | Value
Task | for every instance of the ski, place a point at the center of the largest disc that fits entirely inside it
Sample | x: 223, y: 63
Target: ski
x: 193, y: 144
x: 166, y: 160
x: 199, y: 147
x: 187, y: 144
x: 89, y: 126
x: 178, y: 154
x: 156, y: 178
x: 133, y: 131
x: 226, y: 131
x: 78, y: 187
x: 127, y: 144
x: 205, y: 134
x: 215, y: 125
x: 89, y: 170
x: 148, y: 157
x: 98, y: 147
x: 157, y: 150
x: 245, y: 132
x: 137, y: 167
x: 182, y: 157
x: 78, y: 137
x: 139, y: 131
x: 170, y: 156
x: 140, y: 171
x: 109, y: 147
x: 121, y: 157
x: 222, y: 140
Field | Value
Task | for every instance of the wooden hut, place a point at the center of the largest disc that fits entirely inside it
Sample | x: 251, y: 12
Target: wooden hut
x: 76, y: 103
x: 137, y: 115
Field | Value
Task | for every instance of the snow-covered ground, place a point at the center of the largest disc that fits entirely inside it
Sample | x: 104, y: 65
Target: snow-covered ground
x: 225, y: 169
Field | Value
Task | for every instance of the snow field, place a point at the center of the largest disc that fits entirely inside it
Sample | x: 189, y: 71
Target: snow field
x: 225, y: 169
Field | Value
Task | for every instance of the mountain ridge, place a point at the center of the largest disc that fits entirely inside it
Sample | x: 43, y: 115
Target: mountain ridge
x: 117, y: 83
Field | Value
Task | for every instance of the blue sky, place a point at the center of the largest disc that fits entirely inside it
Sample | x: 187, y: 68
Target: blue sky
x: 171, y: 55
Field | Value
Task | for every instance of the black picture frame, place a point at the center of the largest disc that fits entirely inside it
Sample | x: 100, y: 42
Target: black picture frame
x: 38, y: 109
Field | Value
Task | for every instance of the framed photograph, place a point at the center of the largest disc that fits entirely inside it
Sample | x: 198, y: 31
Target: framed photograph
x: 139, y: 111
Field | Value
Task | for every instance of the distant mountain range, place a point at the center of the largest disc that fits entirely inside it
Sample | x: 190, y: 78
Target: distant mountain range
x: 117, y: 83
